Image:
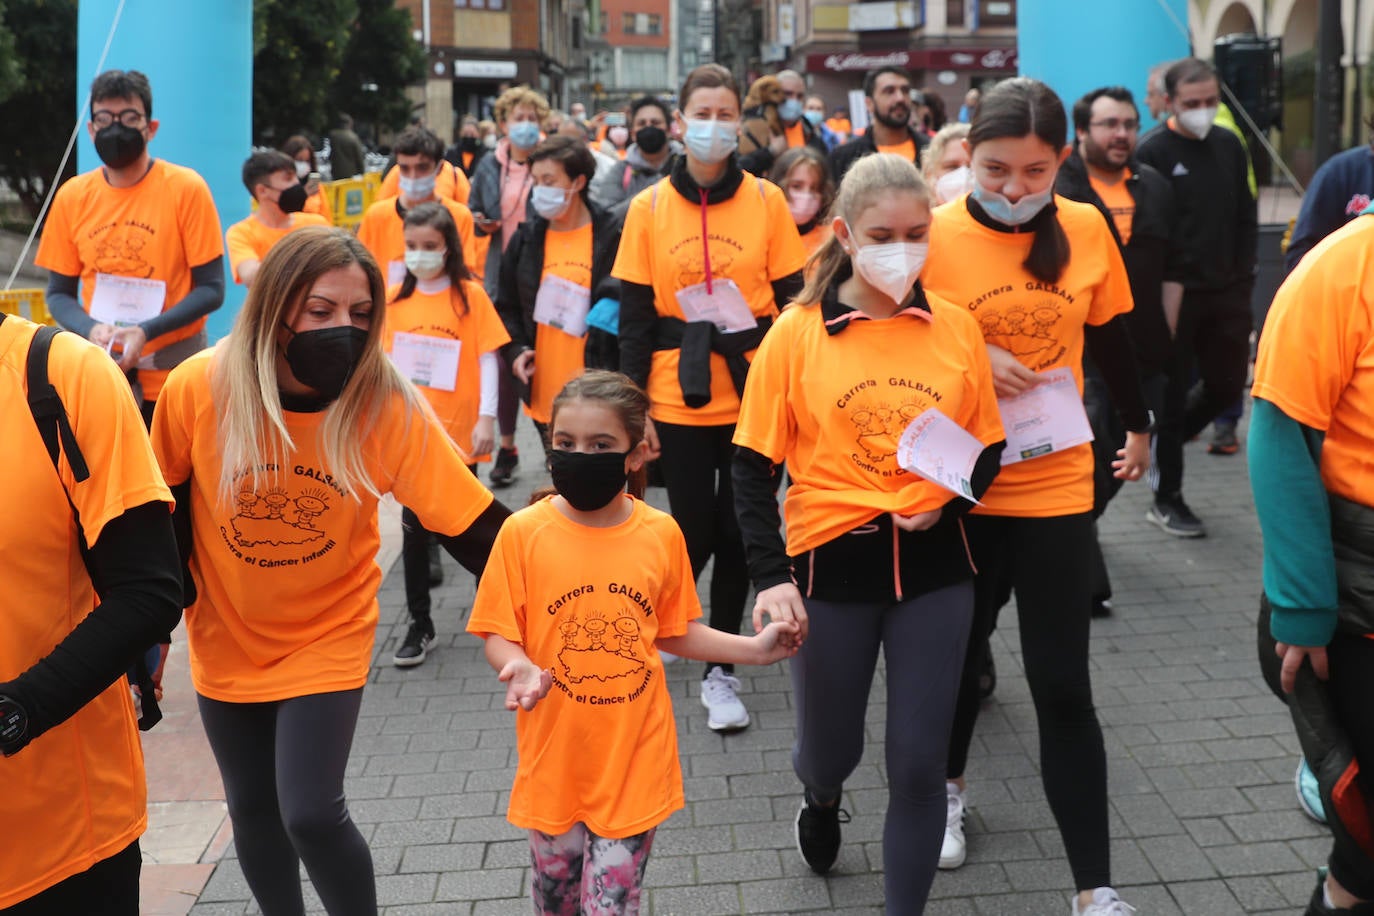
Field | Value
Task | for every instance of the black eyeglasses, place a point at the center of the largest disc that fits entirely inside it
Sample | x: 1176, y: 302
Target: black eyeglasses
x: 129, y: 117
x: 1130, y: 125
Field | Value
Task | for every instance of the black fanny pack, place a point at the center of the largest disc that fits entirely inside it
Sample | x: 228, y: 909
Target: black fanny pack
x: 881, y: 563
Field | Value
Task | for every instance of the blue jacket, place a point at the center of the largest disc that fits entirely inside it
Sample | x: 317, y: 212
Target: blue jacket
x: 1338, y: 192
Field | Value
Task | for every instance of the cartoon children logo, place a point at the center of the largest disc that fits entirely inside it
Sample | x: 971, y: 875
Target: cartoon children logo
x: 599, y: 649
x: 120, y: 252
x: 274, y: 518
x: 880, y: 426
x: 1027, y: 331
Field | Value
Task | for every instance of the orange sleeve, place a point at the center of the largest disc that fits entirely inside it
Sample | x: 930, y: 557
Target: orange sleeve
x: 173, y: 419
x: 431, y: 477
x: 462, y: 217
x: 679, y: 604
x: 1112, y: 296
x: 371, y: 235
x: 490, y: 333
x: 322, y: 205
x: 462, y: 188
x: 499, y: 607
x: 766, y: 423
x: 786, y: 252
x: 632, y: 261
x: 238, y: 243
x: 199, y: 223
x: 57, y: 249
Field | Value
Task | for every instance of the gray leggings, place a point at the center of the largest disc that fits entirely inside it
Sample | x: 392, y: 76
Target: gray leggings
x: 923, y: 642
x: 283, y: 768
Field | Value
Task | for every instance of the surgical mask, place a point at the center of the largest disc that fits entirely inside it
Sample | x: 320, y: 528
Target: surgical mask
x: 292, y: 200
x: 892, y: 267
x: 1011, y: 214
x: 711, y: 142
x: 790, y: 110
x: 587, y: 480
x: 804, y: 205
x: 1197, y: 121
x: 815, y: 117
x: 302, y: 169
x: 550, y: 202
x: 119, y: 146
x: 618, y: 135
x: 953, y: 185
x: 523, y: 134
x: 651, y: 139
x: 425, y: 265
x: 418, y: 188
x: 489, y: 141
x: 324, y: 359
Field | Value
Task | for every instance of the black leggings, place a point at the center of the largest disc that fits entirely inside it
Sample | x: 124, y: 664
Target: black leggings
x: 1046, y: 562
x: 696, y: 471
x: 415, y: 541
x: 283, y: 764
x: 107, y: 888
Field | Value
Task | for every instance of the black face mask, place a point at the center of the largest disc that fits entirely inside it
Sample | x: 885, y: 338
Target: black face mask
x: 292, y: 200
x: 651, y: 139
x: 587, y: 480
x: 119, y: 146
x: 469, y: 144
x: 324, y: 359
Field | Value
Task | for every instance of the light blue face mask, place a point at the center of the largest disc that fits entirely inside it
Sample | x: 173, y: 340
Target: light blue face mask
x: 1011, y: 214
x: 524, y: 134
x: 711, y: 142
x: 815, y: 117
x: 790, y: 110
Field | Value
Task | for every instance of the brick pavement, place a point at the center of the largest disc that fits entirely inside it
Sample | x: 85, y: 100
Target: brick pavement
x: 1201, y: 756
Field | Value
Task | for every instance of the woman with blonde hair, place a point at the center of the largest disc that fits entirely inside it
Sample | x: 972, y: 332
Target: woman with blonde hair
x: 945, y: 163
x: 278, y: 444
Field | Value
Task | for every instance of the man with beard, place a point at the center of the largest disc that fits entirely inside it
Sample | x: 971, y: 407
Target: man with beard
x: 1138, y: 204
x: 887, y: 94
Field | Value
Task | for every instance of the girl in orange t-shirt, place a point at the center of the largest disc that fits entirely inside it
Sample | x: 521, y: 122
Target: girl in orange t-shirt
x: 804, y: 177
x: 279, y: 444
x: 443, y: 332
x: 1042, y: 276
x: 583, y: 592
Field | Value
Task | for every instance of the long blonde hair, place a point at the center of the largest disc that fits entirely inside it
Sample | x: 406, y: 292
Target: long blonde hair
x: 869, y: 179
x: 930, y: 158
x: 253, y: 439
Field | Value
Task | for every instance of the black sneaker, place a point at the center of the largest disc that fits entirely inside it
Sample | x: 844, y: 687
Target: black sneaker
x: 436, y: 568
x: 1102, y: 607
x: 1173, y: 516
x: 506, y: 467
x: 1224, y: 441
x: 818, y: 833
x: 414, y: 648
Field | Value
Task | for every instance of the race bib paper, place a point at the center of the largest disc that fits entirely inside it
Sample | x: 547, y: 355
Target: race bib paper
x: 126, y: 301
x: 1046, y: 419
x: 428, y: 361
x: 563, y: 304
x: 395, y: 272
x: 724, y: 306
x: 941, y: 451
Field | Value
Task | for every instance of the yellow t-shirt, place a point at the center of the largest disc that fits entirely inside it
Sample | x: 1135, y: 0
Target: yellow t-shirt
x: 382, y: 233
x: 837, y: 429
x: 450, y: 183
x: 1120, y: 203
x: 752, y: 241
x: 1316, y: 362
x: 156, y: 230
x: 77, y: 794
x: 287, y: 576
x: 250, y: 240
x: 560, y: 357
x: 979, y: 269
x: 588, y: 604
x: 476, y: 327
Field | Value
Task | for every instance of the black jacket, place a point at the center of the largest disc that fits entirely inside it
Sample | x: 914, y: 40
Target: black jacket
x: 849, y: 153
x: 1150, y: 256
x: 522, y: 267
x: 760, y: 161
x: 455, y: 155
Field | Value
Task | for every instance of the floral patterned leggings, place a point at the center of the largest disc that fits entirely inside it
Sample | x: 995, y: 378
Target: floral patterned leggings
x: 581, y: 874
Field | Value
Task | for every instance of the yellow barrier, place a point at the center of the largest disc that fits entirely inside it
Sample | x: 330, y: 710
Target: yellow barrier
x: 351, y: 197
x: 27, y: 303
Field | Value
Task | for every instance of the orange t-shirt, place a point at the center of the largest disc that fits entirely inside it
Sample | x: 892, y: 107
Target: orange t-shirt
x: 1316, y: 362
x: 817, y: 237
x: 839, y: 125
x: 318, y: 203
x: 906, y: 149
x: 382, y: 232
x: 449, y: 183
x: 753, y: 241
x: 156, y: 230
x: 838, y: 429
x: 795, y: 135
x: 287, y: 576
x: 478, y: 330
x: 250, y: 239
x: 1120, y: 204
x: 588, y: 604
x: 1040, y: 323
x: 77, y: 794
x: 560, y: 357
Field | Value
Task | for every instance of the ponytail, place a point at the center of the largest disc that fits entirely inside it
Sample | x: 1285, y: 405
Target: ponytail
x: 1049, y: 251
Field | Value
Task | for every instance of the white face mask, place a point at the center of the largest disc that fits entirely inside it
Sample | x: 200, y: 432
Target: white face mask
x: 425, y: 265
x: 550, y: 202
x: 418, y: 188
x: 711, y: 142
x: 804, y: 205
x: 997, y: 206
x: 1197, y: 121
x: 302, y: 169
x: 953, y: 185
x: 892, y: 267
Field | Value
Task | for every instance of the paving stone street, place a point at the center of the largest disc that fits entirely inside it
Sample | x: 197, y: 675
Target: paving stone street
x: 1201, y: 757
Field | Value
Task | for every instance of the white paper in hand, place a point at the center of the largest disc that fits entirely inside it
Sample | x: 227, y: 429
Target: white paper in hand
x: 724, y: 306
x: 126, y: 301
x: 1046, y: 419
x: 563, y: 304
x: 428, y: 361
x: 941, y: 451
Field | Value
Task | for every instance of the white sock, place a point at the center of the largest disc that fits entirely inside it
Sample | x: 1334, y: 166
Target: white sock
x: 1326, y: 896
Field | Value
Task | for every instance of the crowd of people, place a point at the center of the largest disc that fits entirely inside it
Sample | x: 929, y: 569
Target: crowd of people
x: 732, y: 296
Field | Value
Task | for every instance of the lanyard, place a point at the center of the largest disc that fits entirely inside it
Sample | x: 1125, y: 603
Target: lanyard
x: 705, y: 246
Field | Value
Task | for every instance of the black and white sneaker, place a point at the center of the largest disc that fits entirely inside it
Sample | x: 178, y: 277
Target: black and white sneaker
x: 414, y: 648
x: 1173, y: 516
x: 505, y: 468
x: 818, y: 833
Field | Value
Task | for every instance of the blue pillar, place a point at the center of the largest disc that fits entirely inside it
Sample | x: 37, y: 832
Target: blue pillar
x: 1075, y: 46
x: 199, y: 59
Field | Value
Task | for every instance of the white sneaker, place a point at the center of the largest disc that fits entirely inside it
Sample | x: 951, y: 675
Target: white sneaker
x: 726, y: 712
x: 1105, y: 903
x: 954, y: 849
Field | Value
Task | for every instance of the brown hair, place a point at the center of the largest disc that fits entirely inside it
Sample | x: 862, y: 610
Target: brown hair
x: 572, y: 155
x: 436, y: 216
x: 623, y: 397
x: 796, y: 157
x: 520, y: 95
x: 707, y: 76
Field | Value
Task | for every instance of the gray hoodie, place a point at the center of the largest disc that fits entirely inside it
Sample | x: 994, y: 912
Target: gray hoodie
x: 612, y: 187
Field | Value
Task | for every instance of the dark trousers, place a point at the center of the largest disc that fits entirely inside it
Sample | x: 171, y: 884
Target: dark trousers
x: 1213, y: 339
x: 415, y: 541
x: 1045, y: 560
x: 507, y: 396
x: 696, y: 472
x: 107, y: 888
